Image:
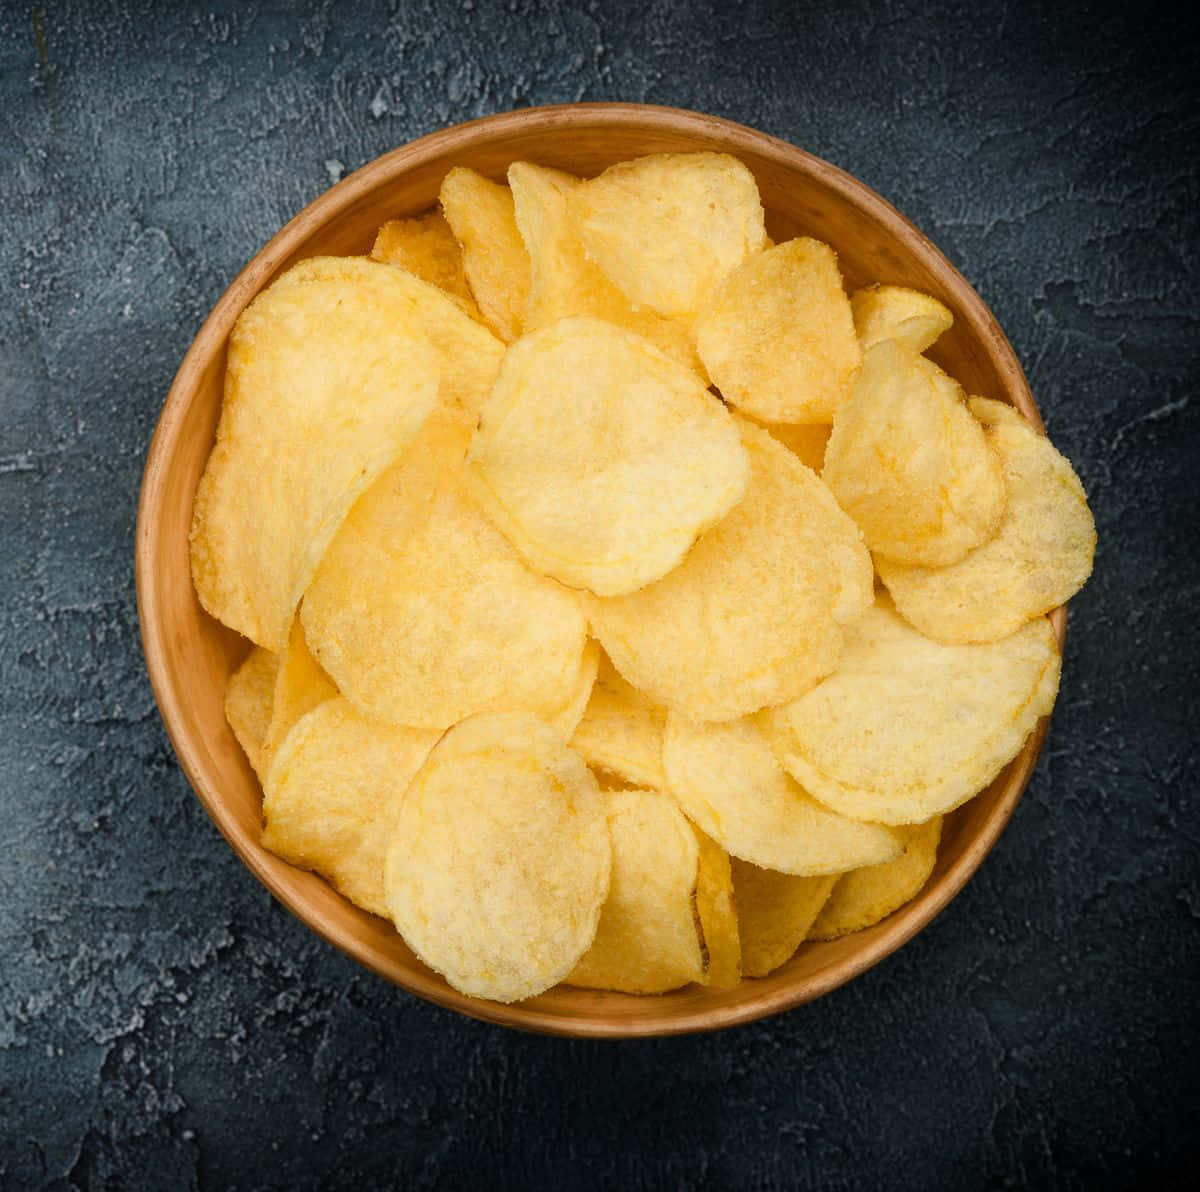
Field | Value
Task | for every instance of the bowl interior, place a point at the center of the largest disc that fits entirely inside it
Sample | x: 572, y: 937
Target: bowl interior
x: 190, y: 656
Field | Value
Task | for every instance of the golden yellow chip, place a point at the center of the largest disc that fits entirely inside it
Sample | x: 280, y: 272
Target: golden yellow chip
x: 717, y: 916
x: 647, y: 940
x: 429, y: 618
x: 896, y: 312
x: 751, y: 616
x: 333, y: 793
x: 300, y: 685
x: 329, y: 378
x: 601, y: 458
x: 621, y: 731
x: 907, y: 728
x: 667, y: 227
x: 777, y: 336
x: 494, y: 259
x: 426, y: 247
x: 730, y: 784
x: 562, y: 280
x: 248, y: 699
x: 866, y: 896
x: 775, y: 912
x: 806, y: 441
x: 910, y: 464
x: 1038, y: 558
x: 567, y: 718
x: 499, y: 863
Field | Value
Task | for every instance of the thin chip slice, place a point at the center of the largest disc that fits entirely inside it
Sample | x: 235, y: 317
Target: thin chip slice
x: 425, y: 246
x: 730, y: 784
x: 567, y: 718
x: 248, y: 699
x: 777, y: 335
x: 499, y: 863
x: 806, y: 441
x: 752, y: 615
x: 907, y: 728
x: 601, y: 458
x: 866, y: 896
x: 300, y: 686
x: 775, y: 913
x: 329, y: 379
x: 647, y: 939
x: 717, y: 916
x: 1040, y: 556
x: 563, y: 282
x: 667, y: 227
x: 495, y: 262
x: 333, y: 793
x: 427, y: 619
x: 621, y: 731
x: 910, y: 464
x: 896, y: 312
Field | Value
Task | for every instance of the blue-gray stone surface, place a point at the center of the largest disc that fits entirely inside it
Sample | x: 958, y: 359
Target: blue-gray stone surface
x: 163, y: 1023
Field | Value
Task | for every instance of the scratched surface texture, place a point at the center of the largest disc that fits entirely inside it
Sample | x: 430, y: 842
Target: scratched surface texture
x: 164, y: 1024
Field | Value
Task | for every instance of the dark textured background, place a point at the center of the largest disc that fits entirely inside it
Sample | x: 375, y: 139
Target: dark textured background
x: 164, y: 1023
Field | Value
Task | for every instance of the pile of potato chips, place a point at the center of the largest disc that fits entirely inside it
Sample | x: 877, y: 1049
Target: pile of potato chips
x: 556, y: 524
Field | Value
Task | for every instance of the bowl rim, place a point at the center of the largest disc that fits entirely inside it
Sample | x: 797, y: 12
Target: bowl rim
x: 894, y: 931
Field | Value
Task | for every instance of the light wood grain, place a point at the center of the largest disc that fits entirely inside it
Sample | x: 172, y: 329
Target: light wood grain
x: 189, y: 656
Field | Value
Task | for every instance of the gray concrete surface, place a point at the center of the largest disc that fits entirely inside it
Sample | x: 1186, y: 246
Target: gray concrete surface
x: 164, y: 1024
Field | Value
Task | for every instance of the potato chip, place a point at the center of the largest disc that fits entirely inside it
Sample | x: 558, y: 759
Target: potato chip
x: 667, y: 227
x: 777, y: 336
x: 717, y: 916
x: 1038, y: 558
x: 300, y: 685
x: 329, y: 379
x: 896, y: 312
x: 426, y: 247
x: 806, y: 441
x: 562, y: 280
x: 567, y: 718
x: 499, y: 863
x: 751, y: 616
x: 425, y: 620
x: 601, y: 458
x: 907, y: 728
x: 333, y: 793
x: 494, y: 259
x: 621, y: 731
x: 730, y: 785
x: 248, y: 699
x: 866, y: 896
x: 647, y: 940
x: 910, y: 464
x: 775, y: 912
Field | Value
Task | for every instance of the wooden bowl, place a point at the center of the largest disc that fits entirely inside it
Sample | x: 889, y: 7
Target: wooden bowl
x: 190, y: 656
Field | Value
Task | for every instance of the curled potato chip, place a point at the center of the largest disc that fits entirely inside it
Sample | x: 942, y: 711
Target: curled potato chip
x: 562, y: 280
x: 426, y: 247
x: 1039, y: 557
x: 333, y: 793
x: 866, y: 896
x: 907, y: 728
x: 751, y: 617
x: 329, y: 379
x: 248, y: 699
x: 910, y: 464
x: 480, y: 213
x: 567, y: 718
x: 896, y: 312
x: 601, y: 458
x: 499, y: 862
x: 300, y: 685
x: 730, y: 784
x: 806, y: 441
x: 716, y: 914
x: 777, y: 336
x: 621, y: 731
x: 667, y: 227
x: 775, y: 912
x: 647, y: 940
x: 424, y: 616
